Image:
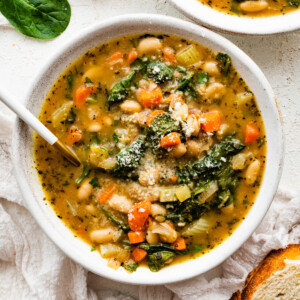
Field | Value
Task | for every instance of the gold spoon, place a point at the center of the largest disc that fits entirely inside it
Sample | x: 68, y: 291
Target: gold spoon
x: 37, y: 126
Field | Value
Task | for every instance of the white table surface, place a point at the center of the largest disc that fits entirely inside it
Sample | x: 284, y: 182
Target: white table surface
x: 278, y: 57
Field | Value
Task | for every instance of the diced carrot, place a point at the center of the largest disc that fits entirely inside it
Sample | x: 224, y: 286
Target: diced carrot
x: 154, y: 114
x: 170, y: 140
x: 138, y: 254
x: 82, y: 93
x: 115, y: 57
x: 74, y: 135
x: 138, y: 215
x: 148, y: 222
x: 211, y: 121
x: 179, y: 244
x: 251, y: 133
x: 132, y: 56
x: 174, y: 179
x: 136, y: 237
x: 150, y: 98
x: 106, y: 193
x: 169, y: 54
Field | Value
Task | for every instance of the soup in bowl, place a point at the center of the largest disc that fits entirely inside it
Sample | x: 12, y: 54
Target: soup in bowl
x: 249, y: 17
x: 174, y: 148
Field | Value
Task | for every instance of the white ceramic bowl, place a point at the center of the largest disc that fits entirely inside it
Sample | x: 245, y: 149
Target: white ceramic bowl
x: 217, y: 20
x: 28, y: 179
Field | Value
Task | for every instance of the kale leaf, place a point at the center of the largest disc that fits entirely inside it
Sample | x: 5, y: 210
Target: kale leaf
x: 128, y: 158
x: 122, y: 225
x: 216, y: 158
x: 121, y: 89
x: 159, y: 72
x: 151, y: 248
x: 225, y: 61
x: 187, y: 211
x: 186, y: 85
x: 160, y: 126
x: 157, y: 260
x: 131, y: 267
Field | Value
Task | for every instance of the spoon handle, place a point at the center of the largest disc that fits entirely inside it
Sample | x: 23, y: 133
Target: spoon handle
x: 28, y: 117
x: 37, y: 126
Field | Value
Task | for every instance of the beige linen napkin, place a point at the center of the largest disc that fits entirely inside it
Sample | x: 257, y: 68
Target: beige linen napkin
x: 32, y: 267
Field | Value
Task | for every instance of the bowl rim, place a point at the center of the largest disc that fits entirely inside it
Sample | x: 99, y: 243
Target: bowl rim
x: 173, y: 273
x: 232, y: 24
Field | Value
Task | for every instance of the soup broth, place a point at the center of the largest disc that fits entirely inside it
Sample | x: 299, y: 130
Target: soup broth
x: 172, y: 146
x: 253, y: 8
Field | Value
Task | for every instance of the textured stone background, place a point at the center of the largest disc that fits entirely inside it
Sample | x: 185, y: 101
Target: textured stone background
x: 278, y: 56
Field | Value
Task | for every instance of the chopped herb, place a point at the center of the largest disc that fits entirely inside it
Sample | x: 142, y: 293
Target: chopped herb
x: 159, y: 72
x: 112, y: 218
x: 94, y: 139
x: 66, y: 183
x: 294, y: 3
x: 93, y: 248
x: 70, y: 81
x: 203, y: 78
x: 71, y: 116
x: 115, y: 137
x: 196, y: 248
x: 85, y: 173
x: 88, y: 81
x: 94, y: 182
x: 121, y: 89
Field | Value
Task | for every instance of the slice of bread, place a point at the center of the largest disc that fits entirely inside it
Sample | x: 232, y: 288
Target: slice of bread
x: 276, y: 277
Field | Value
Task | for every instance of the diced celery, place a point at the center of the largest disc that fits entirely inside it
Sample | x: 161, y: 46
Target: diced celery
x: 108, y: 163
x: 189, y: 55
x: 183, y: 193
x: 243, y: 98
x: 61, y: 114
x: 109, y: 250
x: 167, y: 194
x: 97, y: 155
x: 197, y: 227
x: 92, y: 99
x: 116, y: 251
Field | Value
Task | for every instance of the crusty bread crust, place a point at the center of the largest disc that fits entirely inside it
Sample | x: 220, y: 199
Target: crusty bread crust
x: 271, y: 263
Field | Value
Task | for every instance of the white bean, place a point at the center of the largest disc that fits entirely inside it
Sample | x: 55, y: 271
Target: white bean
x: 157, y: 209
x: 94, y: 127
x: 150, y: 44
x: 215, y: 90
x: 149, y: 177
x: 180, y: 111
x: 252, y: 172
x: 85, y: 190
x: 130, y: 107
x: 211, y: 67
x: 178, y: 150
x: 193, y: 125
x: 120, y: 203
x: 193, y: 148
x: 254, y: 6
x: 104, y: 235
x: 166, y: 233
x: 152, y: 238
x: 107, y: 121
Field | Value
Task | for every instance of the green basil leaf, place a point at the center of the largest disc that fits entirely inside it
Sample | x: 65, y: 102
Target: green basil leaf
x: 42, y: 19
